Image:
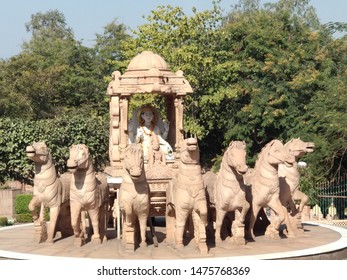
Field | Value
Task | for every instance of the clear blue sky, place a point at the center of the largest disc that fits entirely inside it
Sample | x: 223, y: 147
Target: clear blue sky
x: 88, y: 17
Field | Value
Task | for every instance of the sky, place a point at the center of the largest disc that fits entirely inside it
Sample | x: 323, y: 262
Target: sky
x: 88, y: 17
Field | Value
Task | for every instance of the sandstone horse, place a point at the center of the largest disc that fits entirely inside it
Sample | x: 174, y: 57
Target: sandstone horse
x: 289, y: 179
x: 88, y: 193
x: 134, y: 196
x: 49, y: 191
x: 264, y: 183
x: 186, y: 196
x: 229, y: 191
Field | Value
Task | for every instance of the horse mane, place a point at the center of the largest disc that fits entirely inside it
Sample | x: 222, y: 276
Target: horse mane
x: 266, y: 147
x: 236, y: 144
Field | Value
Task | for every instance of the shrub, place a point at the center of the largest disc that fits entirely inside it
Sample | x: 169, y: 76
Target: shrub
x: 23, y: 215
x: 58, y: 134
x: 3, y: 221
x: 22, y: 202
x: 24, y: 218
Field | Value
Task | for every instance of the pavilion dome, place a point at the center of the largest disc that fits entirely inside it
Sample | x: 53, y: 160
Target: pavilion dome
x: 148, y: 72
x: 147, y: 60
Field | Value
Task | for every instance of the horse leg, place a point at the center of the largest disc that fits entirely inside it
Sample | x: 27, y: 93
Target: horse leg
x: 181, y: 218
x: 238, y: 229
x: 292, y: 206
x: 200, y: 221
x: 220, y: 214
x: 76, y: 223
x: 143, y: 217
x: 273, y: 231
x: 129, y: 225
x: 253, y: 217
x: 33, y: 207
x: 142, y: 214
x: 53, y: 217
x: 289, y: 221
x: 103, y: 220
x: 94, y: 217
x: 303, y: 202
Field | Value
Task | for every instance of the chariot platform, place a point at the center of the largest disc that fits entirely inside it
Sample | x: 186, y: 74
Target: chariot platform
x: 319, y: 242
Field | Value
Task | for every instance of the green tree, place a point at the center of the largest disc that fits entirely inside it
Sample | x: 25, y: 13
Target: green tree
x: 53, y: 73
x: 108, y: 46
x: 190, y: 44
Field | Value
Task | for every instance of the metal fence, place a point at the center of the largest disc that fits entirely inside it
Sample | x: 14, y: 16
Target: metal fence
x: 332, y: 197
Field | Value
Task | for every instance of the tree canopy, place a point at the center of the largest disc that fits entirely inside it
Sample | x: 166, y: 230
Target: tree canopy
x: 258, y: 72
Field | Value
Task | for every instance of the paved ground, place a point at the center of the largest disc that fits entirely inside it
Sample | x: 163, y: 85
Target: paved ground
x: 317, y: 242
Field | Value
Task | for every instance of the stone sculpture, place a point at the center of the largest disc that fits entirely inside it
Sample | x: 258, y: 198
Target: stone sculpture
x: 49, y: 191
x: 134, y: 196
x: 264, y: 183
x: 156, y: 156
x: 186, y: 196
x: 289, y: 179
x: 89, y: 193
x: 229, y: 191
x: 147, y: 123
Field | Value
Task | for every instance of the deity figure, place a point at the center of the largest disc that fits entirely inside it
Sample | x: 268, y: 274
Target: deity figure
x: 147, y: 119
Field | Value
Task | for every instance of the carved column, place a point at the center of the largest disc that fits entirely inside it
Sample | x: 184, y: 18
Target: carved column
x: 179, y: 124
x: 170, y: 109
x: 124, y: 104
x: 114, y: 130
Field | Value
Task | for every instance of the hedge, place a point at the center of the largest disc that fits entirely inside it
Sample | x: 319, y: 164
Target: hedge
x: 58, y: 134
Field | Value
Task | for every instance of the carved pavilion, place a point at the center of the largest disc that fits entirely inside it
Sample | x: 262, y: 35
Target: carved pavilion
x: 147, y: 73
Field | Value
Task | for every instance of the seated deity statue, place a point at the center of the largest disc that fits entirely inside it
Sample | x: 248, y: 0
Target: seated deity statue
x: 146, y: 122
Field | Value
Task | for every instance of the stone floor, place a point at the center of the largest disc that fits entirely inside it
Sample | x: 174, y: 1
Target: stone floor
x: 317, y: 242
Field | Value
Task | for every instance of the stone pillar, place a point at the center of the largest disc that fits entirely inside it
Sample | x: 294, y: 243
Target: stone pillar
x: 124, y: 138
x: 171, y: 116
x: 179, y: 124
x: 114, y: 130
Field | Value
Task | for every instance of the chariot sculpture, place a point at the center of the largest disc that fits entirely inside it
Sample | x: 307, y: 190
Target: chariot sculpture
x: 147, y: 73
x: 154, y: 171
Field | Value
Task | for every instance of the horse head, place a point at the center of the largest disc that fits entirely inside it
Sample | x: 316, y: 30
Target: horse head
x: 277, y: 154
x: 299, y: 148
x: 236, y: 156
x: 79, y: 158
x: 38, y: 152
x: 190, y: 153
x: 133, y: 161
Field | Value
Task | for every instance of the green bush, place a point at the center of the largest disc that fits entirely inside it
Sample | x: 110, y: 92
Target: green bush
x: 22, y: 202
x: 58, y: 134
x: 24, y: 218
x: 23, y: 215
x: 3, y: 221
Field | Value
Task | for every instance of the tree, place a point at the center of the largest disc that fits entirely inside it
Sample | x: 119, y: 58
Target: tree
x: 53, y: 73
x: 190, y: 44
x: 327, y: 119
x: 109, y: 45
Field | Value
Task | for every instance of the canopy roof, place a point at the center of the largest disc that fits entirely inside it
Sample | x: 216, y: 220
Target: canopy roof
x: 149, y: 73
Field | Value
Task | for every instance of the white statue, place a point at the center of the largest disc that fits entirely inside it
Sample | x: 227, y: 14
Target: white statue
x: 146, y: 122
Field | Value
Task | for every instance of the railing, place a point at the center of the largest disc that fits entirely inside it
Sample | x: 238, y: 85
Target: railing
x: 332, y: 198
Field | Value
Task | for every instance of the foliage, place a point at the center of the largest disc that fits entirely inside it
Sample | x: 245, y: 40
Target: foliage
x: 3, y: 221
x: 22, y: 202
x: 24, y: 218
x: 58, y: 134
x: 259, y: 72
x: 52, y: 73
x: 23, y: 214
x: 190, y: 44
